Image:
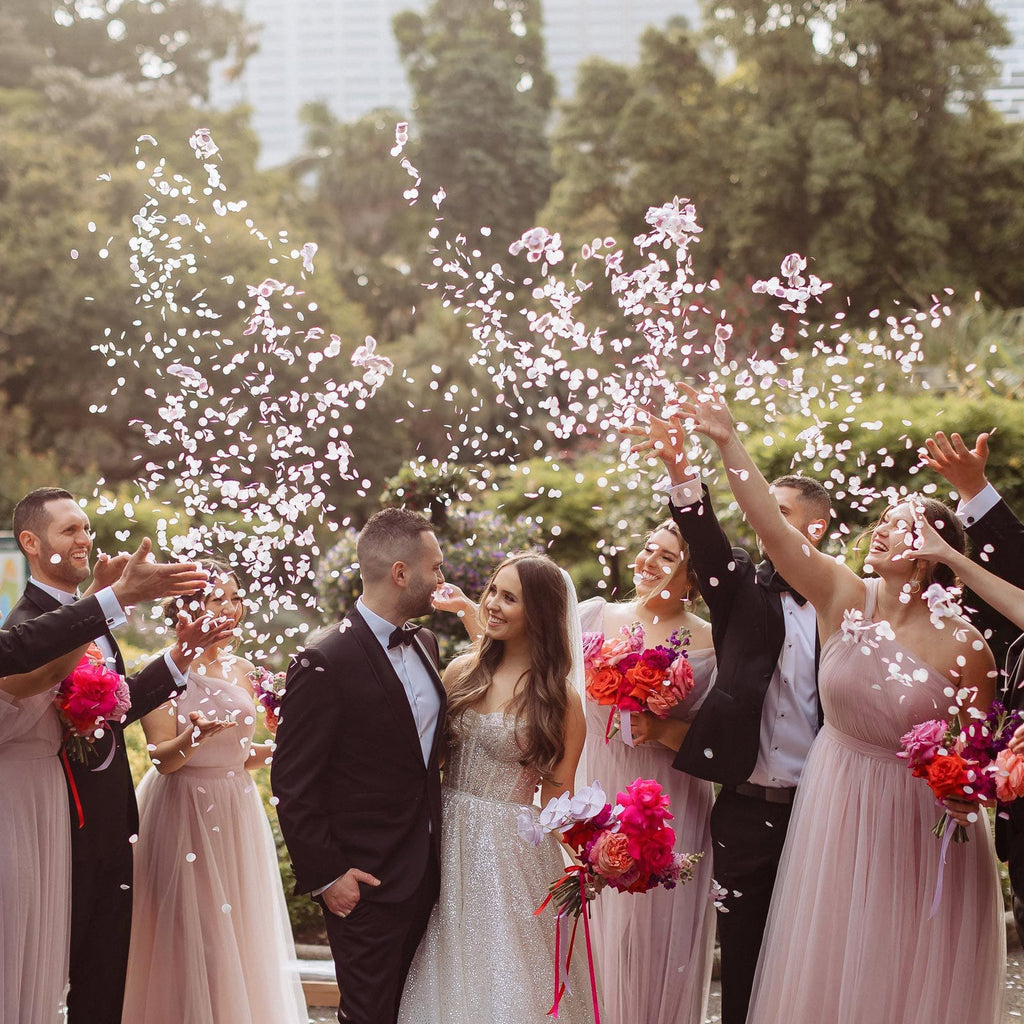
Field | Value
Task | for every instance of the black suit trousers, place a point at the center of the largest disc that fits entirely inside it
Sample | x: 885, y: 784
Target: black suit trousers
x: 101, y: 928
x: 747, y: 836
x: 373, y: 948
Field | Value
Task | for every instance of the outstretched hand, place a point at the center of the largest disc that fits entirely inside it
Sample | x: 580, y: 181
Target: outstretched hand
x: 107, y: 570
x: 203, y: 728
x: 706, y: 413
x: 665, y: 439
x: 963, y: 467
x: 145, y: 579
x: 197, y: 635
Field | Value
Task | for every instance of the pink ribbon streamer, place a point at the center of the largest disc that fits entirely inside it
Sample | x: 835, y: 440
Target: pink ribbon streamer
x: 947, y: 836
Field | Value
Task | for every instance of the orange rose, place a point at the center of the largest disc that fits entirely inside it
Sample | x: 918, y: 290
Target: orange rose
x: 644, y: 680
x: 603, y: 686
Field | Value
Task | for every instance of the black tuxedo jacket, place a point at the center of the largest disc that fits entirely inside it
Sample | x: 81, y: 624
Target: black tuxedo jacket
x: 348, y: 771
x: 108, y: 797
x: 1000, y: 531
x: 748, y: 628
x: 31, y: 644
x: 997, y: 539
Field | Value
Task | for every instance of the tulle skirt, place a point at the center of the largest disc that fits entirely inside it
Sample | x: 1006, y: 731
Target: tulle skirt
x: 849, y: 939
x: 211, y: 940
x: 35, y: 889
x: 485, y: 957
x: 654, y: 950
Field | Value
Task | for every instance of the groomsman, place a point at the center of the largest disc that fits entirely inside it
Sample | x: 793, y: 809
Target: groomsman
x: 53, y: 533
x: 753, y: 732
x: 27, y: 647
x: 997, y: 540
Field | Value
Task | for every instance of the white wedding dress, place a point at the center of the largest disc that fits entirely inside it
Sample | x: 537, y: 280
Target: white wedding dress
x: 485, y: 958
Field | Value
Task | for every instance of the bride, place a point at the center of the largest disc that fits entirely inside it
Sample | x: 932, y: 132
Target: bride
x: 515, y: 721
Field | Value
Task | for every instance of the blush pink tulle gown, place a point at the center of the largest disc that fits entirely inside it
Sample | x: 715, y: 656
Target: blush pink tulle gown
x: 849, y: 940
x: 654, y: 950
x: 35, y: 862
x: 211, y: 940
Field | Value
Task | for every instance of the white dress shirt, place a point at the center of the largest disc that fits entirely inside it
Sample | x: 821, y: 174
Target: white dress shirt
x: 789, y: 715
x: 424, y: 700
x: 969, y: 512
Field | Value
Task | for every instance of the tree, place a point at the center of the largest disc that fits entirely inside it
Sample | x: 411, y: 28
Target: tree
x: 482, y: 99
x: 854, y: 133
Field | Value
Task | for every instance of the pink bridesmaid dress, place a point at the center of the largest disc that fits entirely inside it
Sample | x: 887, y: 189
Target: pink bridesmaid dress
x: 211, y: 941
x: 849, y: 940
x: 654, y: 950
x: 35, y: 862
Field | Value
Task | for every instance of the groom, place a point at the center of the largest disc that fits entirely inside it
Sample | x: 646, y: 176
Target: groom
x: 356, y: 768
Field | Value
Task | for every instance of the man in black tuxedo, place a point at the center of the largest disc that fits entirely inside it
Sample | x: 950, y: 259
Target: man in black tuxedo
x: 356, y: 768
x: 53, y: 533
x: 756, y: 725
x: 997, y: 541
x: 34, y: 643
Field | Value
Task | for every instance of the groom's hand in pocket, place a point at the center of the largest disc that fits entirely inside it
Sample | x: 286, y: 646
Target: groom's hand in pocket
x: 342, y: 895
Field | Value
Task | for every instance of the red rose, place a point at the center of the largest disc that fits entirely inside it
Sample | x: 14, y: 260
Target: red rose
x: 947, y: 775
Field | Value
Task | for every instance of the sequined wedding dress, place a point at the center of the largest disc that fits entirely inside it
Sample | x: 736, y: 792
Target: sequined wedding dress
x: 485, y: 957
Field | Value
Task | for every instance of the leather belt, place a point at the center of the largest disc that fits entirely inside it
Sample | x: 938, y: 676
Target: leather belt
x: 770, y: 795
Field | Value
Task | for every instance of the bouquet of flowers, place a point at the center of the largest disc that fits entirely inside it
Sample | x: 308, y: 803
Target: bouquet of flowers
x: 623, y: 676
x: 627, y: 846
x: 268, y: 690
x: 87, y: 699
x: 972, y: 763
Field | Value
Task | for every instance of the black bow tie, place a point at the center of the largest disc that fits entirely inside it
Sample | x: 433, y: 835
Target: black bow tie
x: 771, y: 579
x: 402, y: 635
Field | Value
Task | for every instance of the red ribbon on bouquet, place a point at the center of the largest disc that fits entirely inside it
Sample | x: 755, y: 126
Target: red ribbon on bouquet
x: 71, y: 780
x: 562, y: 971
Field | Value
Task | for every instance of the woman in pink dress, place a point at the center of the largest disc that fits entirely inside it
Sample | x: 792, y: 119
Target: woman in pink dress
x: 654, y: 951
x: 850, y: 938
x: 211, y: 940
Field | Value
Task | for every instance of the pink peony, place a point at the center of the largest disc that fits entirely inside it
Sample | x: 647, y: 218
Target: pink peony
x: 629, y: 642
x: 922, y: 743
x: 609, y: 855
x: 91, y: 695
x: 656, y: 658
x: 644, y: 806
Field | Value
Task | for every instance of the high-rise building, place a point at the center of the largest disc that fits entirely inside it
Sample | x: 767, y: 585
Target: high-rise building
x: 1007, y: 95
x: 343, y: 52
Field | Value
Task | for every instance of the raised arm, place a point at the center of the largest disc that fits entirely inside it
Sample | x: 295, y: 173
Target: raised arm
x: 1004, y: 597
x: 829, y: 585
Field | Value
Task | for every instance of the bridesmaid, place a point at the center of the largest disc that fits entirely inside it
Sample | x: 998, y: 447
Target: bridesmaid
x: 654, y: 952
x: 211, y: 940
x: 850, y: 936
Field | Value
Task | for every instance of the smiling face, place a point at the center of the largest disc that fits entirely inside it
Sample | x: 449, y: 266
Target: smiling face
x: 224, y: 600
x: 891, y: 540
x: 59, y: 554
x: 657, y: 570
x: 505, y: 616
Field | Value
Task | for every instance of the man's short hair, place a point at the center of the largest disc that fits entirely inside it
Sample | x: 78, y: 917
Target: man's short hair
x: 811, y: 491
x: 389, y: 536
x: 30, y: 513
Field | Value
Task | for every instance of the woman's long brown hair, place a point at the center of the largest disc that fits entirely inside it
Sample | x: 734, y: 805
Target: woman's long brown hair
x: 541, y: 701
